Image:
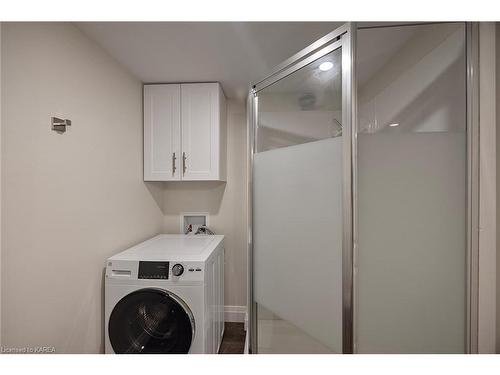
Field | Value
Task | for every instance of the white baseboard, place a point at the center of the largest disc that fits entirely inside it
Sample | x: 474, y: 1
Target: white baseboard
x: 235, y: 314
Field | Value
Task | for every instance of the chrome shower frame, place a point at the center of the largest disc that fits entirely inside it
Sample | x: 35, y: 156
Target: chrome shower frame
x: 341, y: 37
x: 345, y: 37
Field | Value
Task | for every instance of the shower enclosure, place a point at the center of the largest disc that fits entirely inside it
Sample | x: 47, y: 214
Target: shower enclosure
x: 364, y: 194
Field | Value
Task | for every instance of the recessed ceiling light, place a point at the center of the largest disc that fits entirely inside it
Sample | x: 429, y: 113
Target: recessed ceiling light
x: 393, y: 125
x: 327, y: 65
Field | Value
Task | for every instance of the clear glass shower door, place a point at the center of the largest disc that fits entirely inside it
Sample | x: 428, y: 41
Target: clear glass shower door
x: 298, y: 209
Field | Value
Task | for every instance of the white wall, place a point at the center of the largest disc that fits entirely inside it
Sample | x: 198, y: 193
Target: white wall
x: 69, y: 201
x: 226, y: 204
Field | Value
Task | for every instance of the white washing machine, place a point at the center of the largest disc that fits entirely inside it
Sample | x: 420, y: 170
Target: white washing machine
x: 166, y: 295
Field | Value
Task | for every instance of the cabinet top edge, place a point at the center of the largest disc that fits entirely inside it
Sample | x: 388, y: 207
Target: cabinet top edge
x: 180, y: 83
x: 215, y: 83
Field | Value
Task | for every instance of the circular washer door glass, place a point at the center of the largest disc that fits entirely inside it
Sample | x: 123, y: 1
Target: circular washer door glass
x: 150, y: 321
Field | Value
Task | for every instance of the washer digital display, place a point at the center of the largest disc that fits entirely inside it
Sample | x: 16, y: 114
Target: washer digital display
x: 153, y: 270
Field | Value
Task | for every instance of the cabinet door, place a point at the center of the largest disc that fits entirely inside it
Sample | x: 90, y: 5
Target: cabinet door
x: 162, y: 123
x: 200, y: 131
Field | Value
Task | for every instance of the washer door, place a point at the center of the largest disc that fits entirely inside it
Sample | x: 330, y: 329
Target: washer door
x: 151, y: 321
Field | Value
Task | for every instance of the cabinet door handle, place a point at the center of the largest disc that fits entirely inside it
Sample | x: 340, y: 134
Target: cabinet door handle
x: 184, y: 163
x: 173, y: 163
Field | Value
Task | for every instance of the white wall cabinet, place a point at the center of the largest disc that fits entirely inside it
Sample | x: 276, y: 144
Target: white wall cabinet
x: 184, y: 132
x: 162, y: 132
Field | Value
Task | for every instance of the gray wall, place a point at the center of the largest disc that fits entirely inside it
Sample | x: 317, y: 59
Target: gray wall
x: 68, y: 201
x: 497, y: 49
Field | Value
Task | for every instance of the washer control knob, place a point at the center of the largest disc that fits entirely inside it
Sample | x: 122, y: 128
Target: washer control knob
x: 177, y: 269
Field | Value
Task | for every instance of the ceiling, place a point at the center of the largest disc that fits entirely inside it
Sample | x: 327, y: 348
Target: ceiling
x: 232, y: 53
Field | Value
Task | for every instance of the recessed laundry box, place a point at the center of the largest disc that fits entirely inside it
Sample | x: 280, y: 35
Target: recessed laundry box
x: 166, y: 295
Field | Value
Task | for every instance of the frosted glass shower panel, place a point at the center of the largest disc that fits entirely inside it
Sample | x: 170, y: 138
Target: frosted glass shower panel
x: 412, y: 190
x: 298, y: 237
x: 297, y: 211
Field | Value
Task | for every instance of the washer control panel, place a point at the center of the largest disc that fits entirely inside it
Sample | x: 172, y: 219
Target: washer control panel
x: 186, y: 271
x: 153, y: 270
x: 177, y: 269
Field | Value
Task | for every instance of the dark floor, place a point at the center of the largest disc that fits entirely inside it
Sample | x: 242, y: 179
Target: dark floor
x: 233, y: 341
